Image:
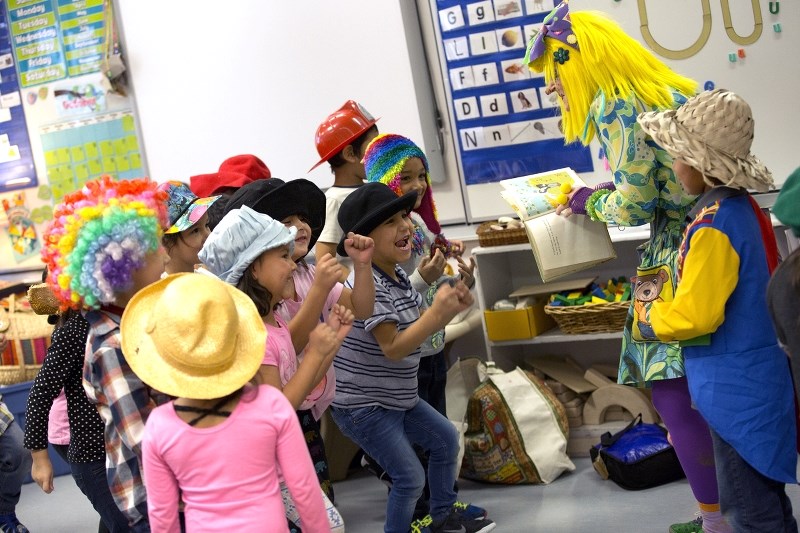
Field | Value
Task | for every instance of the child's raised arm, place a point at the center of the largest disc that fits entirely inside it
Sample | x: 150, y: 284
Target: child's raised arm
x: 326, y: 275
x: 361, y: 298
x: 323, y: 343
x: 448, y: 302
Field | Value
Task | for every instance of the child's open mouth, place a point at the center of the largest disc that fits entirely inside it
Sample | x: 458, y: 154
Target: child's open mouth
x: 404, y: 243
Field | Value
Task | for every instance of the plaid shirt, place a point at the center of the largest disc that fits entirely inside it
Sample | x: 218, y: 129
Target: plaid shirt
x: 5, y: 416
x: 124, y: 403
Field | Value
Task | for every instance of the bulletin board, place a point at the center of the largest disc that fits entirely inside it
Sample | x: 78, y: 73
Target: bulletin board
x: 74, y: 125
x: 16, y: 159
x: 505, y: 124
x: 83, y: 150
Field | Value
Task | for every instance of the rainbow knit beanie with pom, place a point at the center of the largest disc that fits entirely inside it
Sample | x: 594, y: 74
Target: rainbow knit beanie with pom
x: 384, y: 159
x: 99, y: 236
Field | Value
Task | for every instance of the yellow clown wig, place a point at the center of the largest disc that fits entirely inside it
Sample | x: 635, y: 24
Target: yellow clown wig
x: 609, y: 61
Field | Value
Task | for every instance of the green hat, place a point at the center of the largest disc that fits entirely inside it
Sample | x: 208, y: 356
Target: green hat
x: 787, y: 206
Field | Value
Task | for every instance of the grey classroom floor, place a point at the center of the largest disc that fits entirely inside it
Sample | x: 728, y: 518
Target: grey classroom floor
x: 575, y: 502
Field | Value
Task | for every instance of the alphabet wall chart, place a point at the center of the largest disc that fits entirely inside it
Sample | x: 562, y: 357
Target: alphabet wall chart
x: 506, y: 125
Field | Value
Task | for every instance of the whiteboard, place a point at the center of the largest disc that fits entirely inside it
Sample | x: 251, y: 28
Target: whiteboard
x: 216, y: 79
x: 768, y: 77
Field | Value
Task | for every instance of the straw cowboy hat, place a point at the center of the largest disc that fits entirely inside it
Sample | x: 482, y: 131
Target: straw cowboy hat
x: 193, y: 336
x: 713, y: 132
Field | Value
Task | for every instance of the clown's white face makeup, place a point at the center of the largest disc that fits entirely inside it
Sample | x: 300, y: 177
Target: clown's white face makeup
x: 555, y: 86
x: 413, y: 177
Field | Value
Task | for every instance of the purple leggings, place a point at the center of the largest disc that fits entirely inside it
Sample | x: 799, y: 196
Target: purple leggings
x: 690, y: 437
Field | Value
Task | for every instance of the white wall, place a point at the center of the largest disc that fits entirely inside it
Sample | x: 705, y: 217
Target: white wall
x: 215, y: 79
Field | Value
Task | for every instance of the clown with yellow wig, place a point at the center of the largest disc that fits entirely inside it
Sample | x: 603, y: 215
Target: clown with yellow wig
x: 604, y: 79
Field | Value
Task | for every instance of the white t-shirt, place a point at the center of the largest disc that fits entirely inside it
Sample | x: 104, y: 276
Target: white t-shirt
x: 332, y: 232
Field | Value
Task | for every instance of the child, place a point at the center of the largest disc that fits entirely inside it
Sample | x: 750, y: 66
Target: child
x: 399, y: 163
x: 16, y: 463
x: 377, y: 404
x: 102, y: 246
x: 218, y: 447
x: 253, y: 252
x: 315, y: 289
x: 341, y: 140
x: 188, y: 226
x: 63, y: 370
x: 738, y: 376
x: 783, y: 293
x: 604, y: 78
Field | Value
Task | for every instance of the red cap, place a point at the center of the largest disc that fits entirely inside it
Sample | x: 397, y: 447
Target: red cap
x: 340, y: 129
x: 204, y: 185
x: 246, y: 164
x: 234, y: 172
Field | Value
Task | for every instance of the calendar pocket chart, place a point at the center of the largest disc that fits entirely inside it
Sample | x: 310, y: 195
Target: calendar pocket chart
x: 505, y: 123
x: 83, y: 150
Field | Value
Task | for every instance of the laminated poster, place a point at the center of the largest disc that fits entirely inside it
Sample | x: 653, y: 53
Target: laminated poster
x: 506, y: 126
x: 16, y: 159
x: 21, y: 230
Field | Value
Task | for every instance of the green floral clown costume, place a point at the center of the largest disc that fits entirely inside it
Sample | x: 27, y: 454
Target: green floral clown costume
x: 645, y: 191
x: 604, y: 79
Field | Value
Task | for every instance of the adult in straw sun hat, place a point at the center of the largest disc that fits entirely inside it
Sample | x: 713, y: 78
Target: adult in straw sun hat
x: 212, y: 447
x: 166, y: 347
x: 712, y: 132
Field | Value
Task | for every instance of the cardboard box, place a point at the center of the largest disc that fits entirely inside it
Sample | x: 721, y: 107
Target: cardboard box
x: 518, y: 324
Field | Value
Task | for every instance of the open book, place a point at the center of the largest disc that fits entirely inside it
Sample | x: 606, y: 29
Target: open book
x: 560, y: 245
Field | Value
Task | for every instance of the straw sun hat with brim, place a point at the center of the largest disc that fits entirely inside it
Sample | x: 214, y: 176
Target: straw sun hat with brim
x: 192, y: 336
x: 712, y: 132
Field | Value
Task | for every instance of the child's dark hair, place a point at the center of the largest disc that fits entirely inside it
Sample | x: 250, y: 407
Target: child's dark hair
x: 216, y: 212
x: 358, y: 147
x: 259, y: 294
x: 169, y: 240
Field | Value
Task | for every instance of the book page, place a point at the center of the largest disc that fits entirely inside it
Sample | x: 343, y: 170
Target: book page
x: 535, y: 195
x: 565, y: 245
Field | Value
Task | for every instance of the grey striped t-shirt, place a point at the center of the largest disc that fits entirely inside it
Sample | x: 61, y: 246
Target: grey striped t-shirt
x: 364, y: 376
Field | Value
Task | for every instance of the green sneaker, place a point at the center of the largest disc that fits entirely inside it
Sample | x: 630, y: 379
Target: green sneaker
x: 695, y: 526
x: 423, y: 525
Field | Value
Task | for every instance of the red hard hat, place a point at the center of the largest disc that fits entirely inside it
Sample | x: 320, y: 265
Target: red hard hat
x: 340, y: 129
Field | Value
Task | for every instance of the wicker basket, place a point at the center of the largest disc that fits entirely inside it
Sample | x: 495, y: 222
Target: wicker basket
x: 27, y: 333
x: 489, y: 237
x: 598, y: 318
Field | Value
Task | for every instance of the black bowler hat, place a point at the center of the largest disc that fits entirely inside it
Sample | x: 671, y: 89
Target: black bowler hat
x: 368, y: 207
x: 280, y: 199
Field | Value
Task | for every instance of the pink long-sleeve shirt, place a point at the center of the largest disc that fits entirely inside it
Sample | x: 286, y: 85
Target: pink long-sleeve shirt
x: 228, y: 473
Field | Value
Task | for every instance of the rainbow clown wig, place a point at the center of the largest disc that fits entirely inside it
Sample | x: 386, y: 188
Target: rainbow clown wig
x: 384, y: 160
x: 590, y: 53
x: 98, y: 236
